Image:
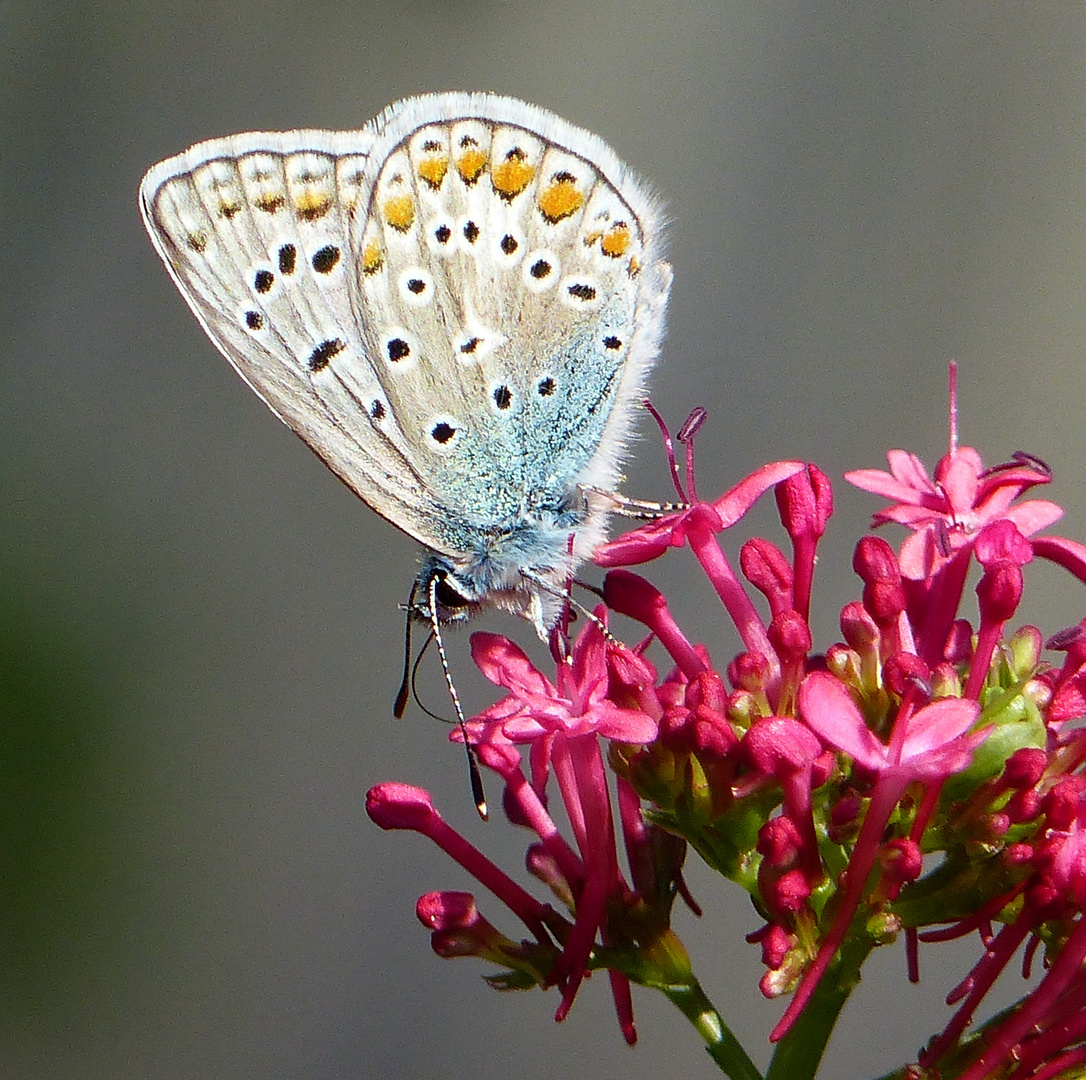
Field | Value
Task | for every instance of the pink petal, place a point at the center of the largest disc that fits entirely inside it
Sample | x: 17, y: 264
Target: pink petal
x: 919, y: 555
x: 1034, y: 515
x: 525, y: 728
x: 589, y: 665
x: 909, y: 469
x: 1002, y: 542
x: 879, y: 482
x: 1066, y: 553
x: 914, y: 516
x: 950, y: 758
x: 959, y: 474
x: 1019, y: 478
x: 736, y: 501
x: 828, y: 710
x: 639, y: 545
x: 624, y: 725
x: 937, y: 724
x: 507, y: 665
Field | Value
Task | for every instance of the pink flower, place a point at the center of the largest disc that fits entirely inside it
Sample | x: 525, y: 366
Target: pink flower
x: 562, y: 723
x: 536, y: 709
x: 672, y: 530
x: 929, y: 744
x: 947, y: 513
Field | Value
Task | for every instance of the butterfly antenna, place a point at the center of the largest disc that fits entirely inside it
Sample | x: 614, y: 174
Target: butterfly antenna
x: 477, y: 793
x: 399, y: 706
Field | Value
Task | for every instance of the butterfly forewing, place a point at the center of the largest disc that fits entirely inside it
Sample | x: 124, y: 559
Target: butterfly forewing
x: 496, y: 268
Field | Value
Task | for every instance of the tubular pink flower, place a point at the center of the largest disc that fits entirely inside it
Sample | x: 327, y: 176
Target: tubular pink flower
x: 805, y: 502
x: 630, y: 594
x: 764, y: 565
x: 1002, y: 550
x: 1038, y: 1005
x: 946, y: 514
x: 927, y: 745
x: 790, y: 637
x: 697, y: 526
x: 652, y: 540
x: 562, y: 724
x: 785, y: 750
x: 537, y: 709
x: 401, y: 806
x: 820, y: 782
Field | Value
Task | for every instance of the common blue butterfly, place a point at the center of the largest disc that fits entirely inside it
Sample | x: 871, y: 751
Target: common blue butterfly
x: 455, y: 306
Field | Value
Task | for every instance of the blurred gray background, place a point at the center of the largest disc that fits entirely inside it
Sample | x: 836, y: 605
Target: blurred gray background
x: 199, y: 633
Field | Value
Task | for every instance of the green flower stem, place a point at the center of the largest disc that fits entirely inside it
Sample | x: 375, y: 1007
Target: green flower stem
x: 800, y: 1051
x: 723, y: 1046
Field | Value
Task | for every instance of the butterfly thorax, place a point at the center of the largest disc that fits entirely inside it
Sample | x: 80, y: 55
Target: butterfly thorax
x: 521, y: 565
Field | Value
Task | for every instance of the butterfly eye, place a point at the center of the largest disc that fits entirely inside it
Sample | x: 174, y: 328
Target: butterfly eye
x: 448, y: 596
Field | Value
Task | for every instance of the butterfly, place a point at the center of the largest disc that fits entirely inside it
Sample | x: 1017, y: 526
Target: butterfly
x: 455, y: 306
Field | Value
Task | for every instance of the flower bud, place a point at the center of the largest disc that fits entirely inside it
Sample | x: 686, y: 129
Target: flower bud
x: 400, y: 806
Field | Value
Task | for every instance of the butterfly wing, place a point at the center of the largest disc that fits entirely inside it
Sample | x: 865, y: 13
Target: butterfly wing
x: 514, y: 302
x: 254, y: 230
x: 455, y: 307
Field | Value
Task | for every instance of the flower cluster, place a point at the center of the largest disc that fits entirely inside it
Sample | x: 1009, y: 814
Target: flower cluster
x: 924, y: 778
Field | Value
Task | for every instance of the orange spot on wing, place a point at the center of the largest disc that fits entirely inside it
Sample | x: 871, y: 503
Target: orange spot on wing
x: 399, y: 211
x: 616, y: 241
x: 470, y: 165
x: 311, y: 204
x: 270, y: 201
x: 433, y: 169
x: 372, y: 258
x: 513, y: 175
x: 560, y: 199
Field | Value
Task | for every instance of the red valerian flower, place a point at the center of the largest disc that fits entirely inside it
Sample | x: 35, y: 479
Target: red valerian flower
x: 850, y: 789
x: 536, y: 709
x: 928, y: 744
x: 947, y: 513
